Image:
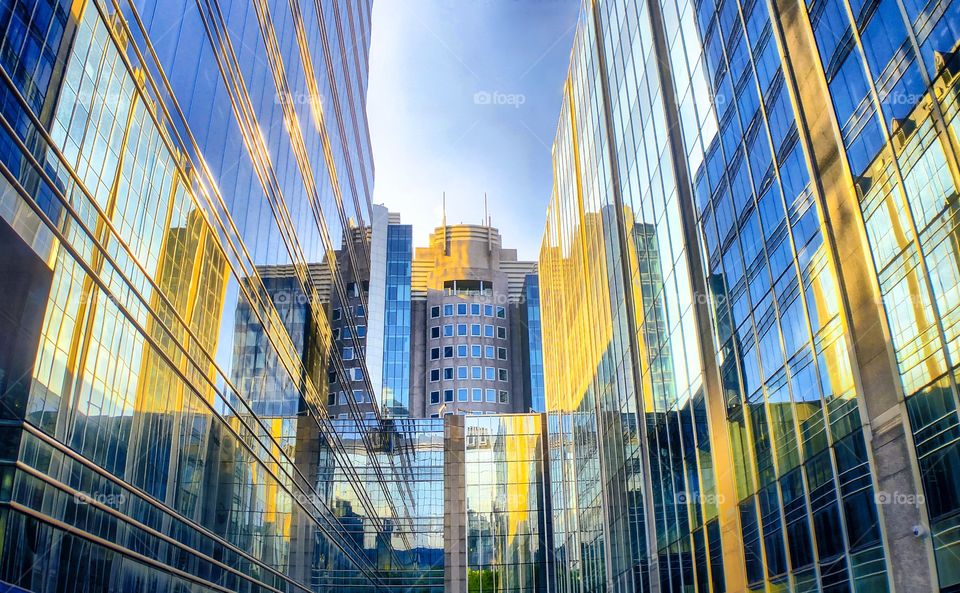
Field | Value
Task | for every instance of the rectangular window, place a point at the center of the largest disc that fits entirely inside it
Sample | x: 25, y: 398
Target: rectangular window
x: 504, y: 397
x: 476, y: 350
x: 336, y: 315
x: 461, y: 395
x: 448, y: 310
x: 331, y: 378
x: 461, y: 308
x: 461, y: 329
x: 343, y: 398
x: 434, y: 354
x: 336, y: 333
x: 501, y: 313
x: 491, y: 396
x: 348, y: 353
x: 361, y: 331
x: 448, y: 330
x: 475, y: 308
x: 475, y: 330
x: 477, y: 394
x: 488, y: 352
x: 434, y: 375
x: 502, y: 333
x: 357, y: 374
x: 490, y: 373
x: 435, y: 332
x: 502, y: 374
x: 462, y: 351
x: 345, y: 333
x: 488, y: 331
x: 476, y: 373
x: 502, y: 353
x: 448, y: 395
x: 448, y: 373
x: 488, y: 310
x: 332, y: 398
x: 358, y: 396
x: 462, y: 373
x: 434, y: 312
x: 360, y: 312
x: 448, y: 351
x: 434, y: 397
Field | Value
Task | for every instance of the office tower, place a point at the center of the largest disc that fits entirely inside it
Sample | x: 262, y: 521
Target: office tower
x: 377, y: 299
x: 169, y: 173
x: 532, y: 349
x: 431, y: 325
x: 749, y: 275
x: 468, y: 326
x: 390, y: 284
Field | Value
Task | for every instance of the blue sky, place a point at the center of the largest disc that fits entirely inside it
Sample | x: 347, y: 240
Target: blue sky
x: 464, y: 98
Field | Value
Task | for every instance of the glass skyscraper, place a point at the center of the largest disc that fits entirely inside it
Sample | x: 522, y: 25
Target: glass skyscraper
x: 749, y: 274
x: 396, y: 320
x: 164, y: 385
x: 533, y: 342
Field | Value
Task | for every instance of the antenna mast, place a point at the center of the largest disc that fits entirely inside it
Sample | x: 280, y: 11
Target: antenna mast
x: 486, y: 220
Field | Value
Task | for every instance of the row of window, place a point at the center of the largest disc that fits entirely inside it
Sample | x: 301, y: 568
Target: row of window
x: 358, y: 312
x: 353, y: 289
x: 355, y: 374
x: 475, y: 330
x: 474, y: 308
x: 346, y: 334
x: 476, y: 394
x: 340, y: 397
x: 469, y: 351
x: 474, y: 372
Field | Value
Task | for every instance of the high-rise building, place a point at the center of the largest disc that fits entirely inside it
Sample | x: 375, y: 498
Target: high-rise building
x: 468, y: 324
x: 170, y: 175
x: 532, y: 349
x: 749, y: 278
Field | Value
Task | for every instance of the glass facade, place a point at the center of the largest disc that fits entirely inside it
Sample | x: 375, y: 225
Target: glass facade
x: 396, y: 341
x: 506, y: 503
x: 533, y: 343
x: 753, y: 206
x: 169, y: 175
x: 405, y: 540
x: 596, y: 455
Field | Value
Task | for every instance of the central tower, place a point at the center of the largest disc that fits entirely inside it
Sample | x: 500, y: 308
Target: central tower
x: 467, y: 294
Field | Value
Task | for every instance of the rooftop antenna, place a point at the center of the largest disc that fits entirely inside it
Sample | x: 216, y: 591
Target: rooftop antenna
x: 486, y: 217
x: 446, y: 243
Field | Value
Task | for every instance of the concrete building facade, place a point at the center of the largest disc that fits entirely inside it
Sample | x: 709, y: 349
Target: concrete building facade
x: 468, y: 324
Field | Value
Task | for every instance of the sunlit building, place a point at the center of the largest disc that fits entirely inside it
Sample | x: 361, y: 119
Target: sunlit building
x: 749, y: 293
x: 165, y: 422
x: 470, y: 337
